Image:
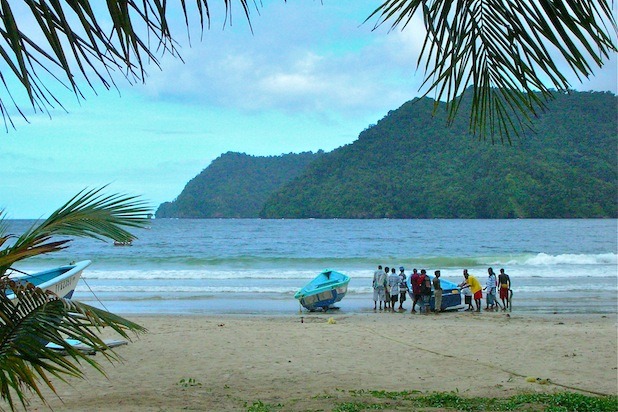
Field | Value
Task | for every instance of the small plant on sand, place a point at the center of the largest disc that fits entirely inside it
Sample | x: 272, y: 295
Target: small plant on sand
x: 259, y: 406
x: 186, y: 383
x: 358, y: 407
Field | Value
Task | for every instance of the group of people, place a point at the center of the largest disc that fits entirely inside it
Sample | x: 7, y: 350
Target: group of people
x: 391, y: 288
x: 472, y: 289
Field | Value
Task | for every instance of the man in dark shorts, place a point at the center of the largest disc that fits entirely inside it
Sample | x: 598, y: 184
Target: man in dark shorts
x: 416, y: 289
x: 505, y: 287
x: 393, y: 287
x: 403, y: 287
x: 425, y: 287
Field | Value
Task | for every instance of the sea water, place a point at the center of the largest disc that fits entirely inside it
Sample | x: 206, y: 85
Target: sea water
x: 254, y: 266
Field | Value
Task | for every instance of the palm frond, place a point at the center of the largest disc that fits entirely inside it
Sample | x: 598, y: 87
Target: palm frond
x: 116, y: 38
x: 35, y: 318
x: 506, y: 51
x: 4, y: 237
x: 90, y: 213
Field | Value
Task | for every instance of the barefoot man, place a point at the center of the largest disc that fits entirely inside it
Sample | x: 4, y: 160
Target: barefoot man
x: 475, y: 288
x: 505, y: 286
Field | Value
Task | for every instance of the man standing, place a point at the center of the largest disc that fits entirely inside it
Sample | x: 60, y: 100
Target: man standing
x: 393, y: 287
x: 437, y: 292
x: 475, y: 288
x: 379, y: 287
x: 416, y: 289
x: 425, y: 286
x: 403, y: 287
x: 490, y: 287
x: 387, y: 296
x: 505, y: 286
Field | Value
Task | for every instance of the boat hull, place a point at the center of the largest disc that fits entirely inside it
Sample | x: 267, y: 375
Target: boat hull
x: 326, y: 289
x: 62, y: 280
x: 451, y: 297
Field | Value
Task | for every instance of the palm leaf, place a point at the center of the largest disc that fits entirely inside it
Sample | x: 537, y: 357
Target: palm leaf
x: 35, y: 318
x: 505, y: 52
x: 90, y: 213
x: 119, y: 38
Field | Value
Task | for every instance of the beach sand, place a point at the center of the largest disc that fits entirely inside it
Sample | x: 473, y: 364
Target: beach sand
x: 226, y: 363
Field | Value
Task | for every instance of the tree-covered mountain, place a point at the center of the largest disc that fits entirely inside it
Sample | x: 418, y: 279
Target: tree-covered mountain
x: 235, y: 185
x: 410, y: 165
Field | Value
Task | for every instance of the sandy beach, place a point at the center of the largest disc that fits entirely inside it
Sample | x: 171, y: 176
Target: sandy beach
x: 226, y: 363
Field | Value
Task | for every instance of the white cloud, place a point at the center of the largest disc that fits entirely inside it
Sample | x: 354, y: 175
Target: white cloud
x: 291, y: 67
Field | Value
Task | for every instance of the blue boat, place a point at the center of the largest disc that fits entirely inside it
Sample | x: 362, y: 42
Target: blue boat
x: 61, y: 280
x: 451, y: 296
x: 323, y: 291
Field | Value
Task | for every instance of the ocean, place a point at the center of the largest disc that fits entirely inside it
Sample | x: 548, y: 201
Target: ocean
x: 254, y: 266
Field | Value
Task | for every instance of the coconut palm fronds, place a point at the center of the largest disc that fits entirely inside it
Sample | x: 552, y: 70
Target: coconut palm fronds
x: 90, y: 213
x: 508, y: 54
x: 35, y: 318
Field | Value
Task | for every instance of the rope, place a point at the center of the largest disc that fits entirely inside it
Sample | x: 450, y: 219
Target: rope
x: 19, y: 271
x: 373, y: 331
x: 89, y: 288
x: 95, y: 295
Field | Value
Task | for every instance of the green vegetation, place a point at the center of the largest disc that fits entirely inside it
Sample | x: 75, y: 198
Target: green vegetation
x: 260, y: 406
x: 410, y: 165
x: 235, y: 185
x: 565, y: 401
x: 449, y: 401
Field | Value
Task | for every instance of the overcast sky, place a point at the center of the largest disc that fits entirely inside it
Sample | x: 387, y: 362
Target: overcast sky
x: 310, y: 77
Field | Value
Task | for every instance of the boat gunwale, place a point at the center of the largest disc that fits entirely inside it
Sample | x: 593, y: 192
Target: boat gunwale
x: 303, y: 292
x: 74, y: 269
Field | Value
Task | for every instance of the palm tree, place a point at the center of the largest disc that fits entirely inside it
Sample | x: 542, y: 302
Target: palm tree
x: 506, y: 53
x: 36, y: 317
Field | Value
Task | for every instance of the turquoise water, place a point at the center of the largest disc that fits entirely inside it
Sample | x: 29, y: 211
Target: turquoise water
x: 256, y: 266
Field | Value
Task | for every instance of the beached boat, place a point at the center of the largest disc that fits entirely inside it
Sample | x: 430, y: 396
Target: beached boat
x: 451, y: 296
x: 323, y: 291
x: 62, y: 280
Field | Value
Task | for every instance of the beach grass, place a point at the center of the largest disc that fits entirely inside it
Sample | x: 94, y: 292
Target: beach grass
x: 370, y: 400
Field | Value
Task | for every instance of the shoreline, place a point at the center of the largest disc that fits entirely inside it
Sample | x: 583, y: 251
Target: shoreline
x: 557, y: 316
x: 226, y: 362
x: 239, y: 304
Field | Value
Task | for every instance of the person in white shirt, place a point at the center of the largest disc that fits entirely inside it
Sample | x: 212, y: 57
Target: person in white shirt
x: 379, y: 287
x: 393, y: 287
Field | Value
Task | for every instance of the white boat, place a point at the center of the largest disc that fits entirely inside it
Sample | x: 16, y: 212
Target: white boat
x: 62, y: 280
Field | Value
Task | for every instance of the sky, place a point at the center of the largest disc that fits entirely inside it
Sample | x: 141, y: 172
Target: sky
x: 309, y: 76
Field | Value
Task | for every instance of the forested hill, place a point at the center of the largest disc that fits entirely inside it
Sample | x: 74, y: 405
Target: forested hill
x: 235, y: 185
x: 410, y: 165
